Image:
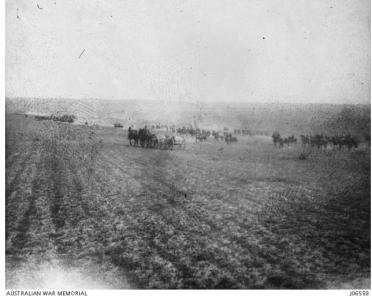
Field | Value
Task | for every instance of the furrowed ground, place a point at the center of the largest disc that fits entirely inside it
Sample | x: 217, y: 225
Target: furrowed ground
x: 246, y: 215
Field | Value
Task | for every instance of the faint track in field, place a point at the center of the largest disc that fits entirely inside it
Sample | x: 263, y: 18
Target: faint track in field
x: 22, y: 231
x: 152, y: 180
x: 57, y: 176
x: 200, y: 170
x: 11, y: 184
x: 77, y: 203
x: 14, y: 153
x: 255, y: 193
x: 195, y: 215
x: 17, y: 190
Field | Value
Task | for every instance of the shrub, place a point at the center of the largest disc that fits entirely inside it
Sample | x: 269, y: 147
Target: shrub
x: 64, y: 118
x: 42, y: 118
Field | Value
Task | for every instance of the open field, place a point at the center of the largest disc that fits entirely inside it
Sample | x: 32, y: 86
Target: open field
x: 257, y: 117
x: 80, y: 200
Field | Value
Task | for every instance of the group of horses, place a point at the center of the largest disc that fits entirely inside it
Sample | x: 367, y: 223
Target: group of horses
x: 226, y: 136
x: 319, y: 141
x: 250, y: 132
x: 146, y: 139
x: 202, y: 135
x: 243, y: 132
x: 323, y: 141
x: 229, y: 138
x: 193, y: 131
x: 218, y: 136
x: 281, y: 141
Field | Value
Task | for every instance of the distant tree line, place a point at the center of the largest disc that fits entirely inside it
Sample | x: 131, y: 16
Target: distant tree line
x: 63, y: 118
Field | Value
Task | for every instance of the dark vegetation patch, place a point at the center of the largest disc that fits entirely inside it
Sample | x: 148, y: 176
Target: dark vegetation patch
x: 63, y: 118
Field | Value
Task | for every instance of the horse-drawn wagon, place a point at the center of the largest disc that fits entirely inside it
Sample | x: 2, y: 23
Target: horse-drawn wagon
x: 147, y: 139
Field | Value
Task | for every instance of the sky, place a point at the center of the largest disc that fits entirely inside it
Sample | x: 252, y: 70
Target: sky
x: 289, y: 51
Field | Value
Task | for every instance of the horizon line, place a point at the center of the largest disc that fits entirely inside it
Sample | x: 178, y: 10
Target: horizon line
x: 184, y: 101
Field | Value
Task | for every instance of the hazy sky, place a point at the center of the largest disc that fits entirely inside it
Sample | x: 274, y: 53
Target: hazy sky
x: 211, y: 50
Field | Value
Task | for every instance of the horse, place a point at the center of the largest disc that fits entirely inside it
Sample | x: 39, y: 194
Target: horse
x: 200, y: 137
x: 152, y: 140
x: 227, y: 137
x: 277, y: 139
x: 132, y: 136
x: 305, y: 140
x: 230, y: 139
x: 289, y: 140
x: 319, y: 141
x: 145, y: 137
x: 345, y: 141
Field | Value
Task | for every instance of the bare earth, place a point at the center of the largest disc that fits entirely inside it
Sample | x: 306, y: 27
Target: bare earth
x: 84, y: 209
